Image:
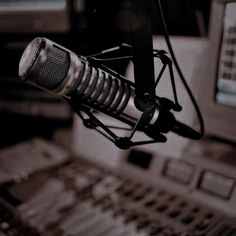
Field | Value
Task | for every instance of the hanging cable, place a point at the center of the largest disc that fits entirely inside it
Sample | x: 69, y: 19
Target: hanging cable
x: 167, y: 39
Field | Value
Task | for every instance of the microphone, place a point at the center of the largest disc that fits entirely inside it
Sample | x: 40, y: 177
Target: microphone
x: 56, y: 69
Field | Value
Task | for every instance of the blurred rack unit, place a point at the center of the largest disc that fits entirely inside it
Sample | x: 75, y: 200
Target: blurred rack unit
x: 19, y: 99
x: 34, y: 16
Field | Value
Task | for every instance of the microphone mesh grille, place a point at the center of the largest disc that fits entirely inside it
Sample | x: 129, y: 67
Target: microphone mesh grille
x: 29, y: 57
x: 54, y: 69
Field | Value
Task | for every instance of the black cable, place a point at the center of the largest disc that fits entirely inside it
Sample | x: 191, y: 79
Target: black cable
x: 166, y: 36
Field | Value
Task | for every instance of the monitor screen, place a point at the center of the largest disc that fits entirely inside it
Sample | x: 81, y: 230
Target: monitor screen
x: 226, y: 81
x: 219, y: 84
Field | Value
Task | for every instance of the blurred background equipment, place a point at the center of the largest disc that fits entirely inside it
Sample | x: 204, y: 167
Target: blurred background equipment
x: 45, y: 16
x: 219, y: 102
x: 19, y: 21
x: 173, y: 189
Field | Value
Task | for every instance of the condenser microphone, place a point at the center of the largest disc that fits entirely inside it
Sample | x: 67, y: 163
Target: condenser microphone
x: 56, y: 69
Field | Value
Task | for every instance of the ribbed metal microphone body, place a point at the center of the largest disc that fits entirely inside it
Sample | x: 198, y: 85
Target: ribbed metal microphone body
x: 54, y: 68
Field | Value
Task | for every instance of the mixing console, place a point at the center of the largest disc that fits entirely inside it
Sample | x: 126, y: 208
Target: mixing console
x: 81, y: 198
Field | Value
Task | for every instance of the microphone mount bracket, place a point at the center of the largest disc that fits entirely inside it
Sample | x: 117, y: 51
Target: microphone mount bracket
x: 141, y: 52
x: 146, y: 102
x: 86, y: 113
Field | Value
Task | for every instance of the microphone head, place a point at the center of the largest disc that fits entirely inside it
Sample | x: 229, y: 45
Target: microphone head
x: 29, y: 56
x: 46, y: 64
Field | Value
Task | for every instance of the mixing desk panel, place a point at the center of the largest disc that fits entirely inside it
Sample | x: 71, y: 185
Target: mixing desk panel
x: 82, y: 198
